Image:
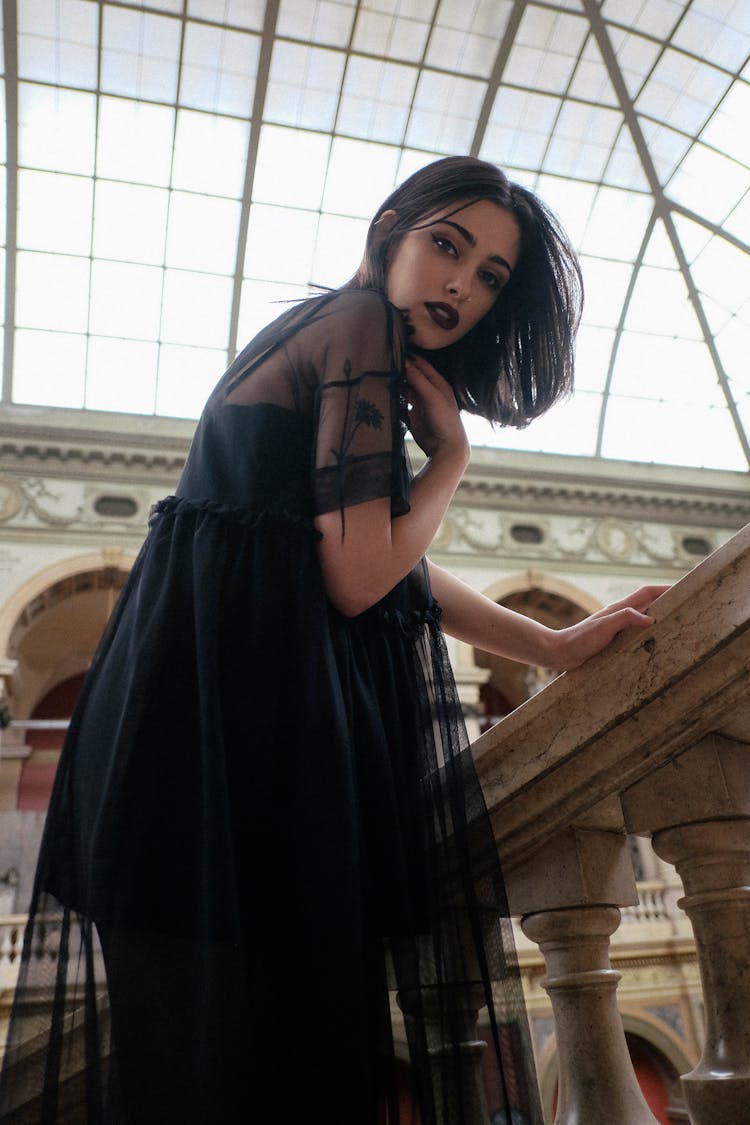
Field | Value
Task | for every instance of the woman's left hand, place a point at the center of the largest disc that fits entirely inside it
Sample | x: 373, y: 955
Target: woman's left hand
x: 571, y: 646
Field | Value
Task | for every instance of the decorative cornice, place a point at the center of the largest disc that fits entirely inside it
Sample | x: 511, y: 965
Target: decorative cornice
x: 537, y: 483
x: 717, y: 509
x: 81, y: 461
x: 112, y: 447
x: 90, y: 444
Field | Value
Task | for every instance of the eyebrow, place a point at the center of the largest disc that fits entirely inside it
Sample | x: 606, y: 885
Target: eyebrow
x: 469, y: 237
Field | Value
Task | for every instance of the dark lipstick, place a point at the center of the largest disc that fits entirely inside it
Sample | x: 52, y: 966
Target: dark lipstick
x: 445, y: 316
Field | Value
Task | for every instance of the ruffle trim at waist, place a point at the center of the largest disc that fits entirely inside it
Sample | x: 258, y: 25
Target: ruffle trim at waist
x: 411, y: 622
x: 247, y: 517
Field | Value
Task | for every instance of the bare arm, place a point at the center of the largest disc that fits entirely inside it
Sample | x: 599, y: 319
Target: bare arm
x: 470, y: 616
x: 376, y: 552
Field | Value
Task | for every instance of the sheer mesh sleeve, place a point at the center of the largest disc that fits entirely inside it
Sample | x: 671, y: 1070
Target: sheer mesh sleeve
x: 359, y: 446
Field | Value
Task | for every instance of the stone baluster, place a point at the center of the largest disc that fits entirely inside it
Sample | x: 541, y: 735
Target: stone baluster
x: 566, y: 893
x: 698, y: 809
x: 467, y: 1102
x: 596, y: 1078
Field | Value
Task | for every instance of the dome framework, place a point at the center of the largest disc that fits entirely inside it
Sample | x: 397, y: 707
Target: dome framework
x: 174, y: 169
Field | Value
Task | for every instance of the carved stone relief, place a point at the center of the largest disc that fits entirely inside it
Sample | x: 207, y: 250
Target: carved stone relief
x: 28, y: 502
x: 619, y: 542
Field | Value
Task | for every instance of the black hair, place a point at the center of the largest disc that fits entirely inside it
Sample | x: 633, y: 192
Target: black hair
x: 518, y: 360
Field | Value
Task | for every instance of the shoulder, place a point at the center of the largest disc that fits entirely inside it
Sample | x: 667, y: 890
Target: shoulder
x: 361, y: 308
x: 359, y: 325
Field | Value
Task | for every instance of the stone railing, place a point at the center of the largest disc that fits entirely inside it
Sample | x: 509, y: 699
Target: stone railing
x: 650, y: 737
x: 11, y: 942
x: 651, y: 906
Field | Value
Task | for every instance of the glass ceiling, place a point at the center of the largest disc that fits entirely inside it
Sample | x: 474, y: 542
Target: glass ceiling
x: 176, y: 168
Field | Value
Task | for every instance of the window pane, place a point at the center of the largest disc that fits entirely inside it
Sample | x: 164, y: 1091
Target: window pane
x: 341, y: 242
x: 49, y: 368
x: 661, y: 367
x: 380, y: 32
x: 210, y: 154
x: 617, y: 224
x: 140, y: 54
x: 130, y: 222
x: 186, y: 378
x: 52, y: 291
x: 134, y: 141
x: 570, y: 427
x: 593, y: 351
x: 280, y: 244
x: 125, y: 300
x: 700, y: 167
x: 121, y: 375
x: 605, y: 285
x: 519, y: 128
x: 303, y: 86
x: 202, y: 233
x: 376, y: 99
x: 54, y: 212
x: 56, y: 129
x: 445, y: 112
x: 283, y: 152
x: 360, y: 176
x: 262, y: 302
x: 218, y: 69
x: 58, y: 43
x: 660, y: 304
x: 240, y: 13
x: 196, y: 309
x: 646, y: 430
x: 321, y: 21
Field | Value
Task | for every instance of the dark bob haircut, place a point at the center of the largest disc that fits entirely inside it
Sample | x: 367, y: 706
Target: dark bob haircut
x: 518, y: 360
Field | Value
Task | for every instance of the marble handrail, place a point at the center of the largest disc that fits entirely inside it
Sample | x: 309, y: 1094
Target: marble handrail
x: 651, y: 736
x: 598, y: 729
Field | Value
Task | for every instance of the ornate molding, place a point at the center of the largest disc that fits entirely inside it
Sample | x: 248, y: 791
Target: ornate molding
x: 89, y: 460
x: 584, y: 540
x: 60, y: 505
x: 87, y: 445
x: 709, y: 510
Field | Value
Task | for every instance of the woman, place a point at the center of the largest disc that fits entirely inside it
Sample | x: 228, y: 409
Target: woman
x: 266, y: 811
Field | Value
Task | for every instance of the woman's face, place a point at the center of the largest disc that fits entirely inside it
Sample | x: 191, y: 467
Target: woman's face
x: 445, y: 275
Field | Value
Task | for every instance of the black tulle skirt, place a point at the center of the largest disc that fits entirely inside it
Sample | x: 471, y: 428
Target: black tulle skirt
x: 265, y: 826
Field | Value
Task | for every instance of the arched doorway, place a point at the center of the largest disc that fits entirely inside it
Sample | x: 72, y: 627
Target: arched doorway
x: 657, y: 1078
x: 510, y: 684
x: 44, y: 736
x: 656, y: 1072
x: 49, y: 631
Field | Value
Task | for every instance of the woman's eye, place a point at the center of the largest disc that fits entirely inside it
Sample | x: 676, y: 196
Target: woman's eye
x: 444, y: 244
x: 491, y: 279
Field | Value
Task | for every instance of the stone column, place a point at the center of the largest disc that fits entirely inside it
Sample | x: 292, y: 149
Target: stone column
x: 698, y: 808
x: 568, y: 894
x: 597, y: 1083
x: 713, y: 859
x: 466, y: 1102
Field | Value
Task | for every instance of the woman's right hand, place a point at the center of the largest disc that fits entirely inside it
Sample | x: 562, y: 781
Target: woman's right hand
x: 377, y: 551
x: 434, y: 418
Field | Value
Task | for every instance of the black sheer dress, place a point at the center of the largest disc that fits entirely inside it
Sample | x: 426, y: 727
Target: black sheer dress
x: 265, y: 817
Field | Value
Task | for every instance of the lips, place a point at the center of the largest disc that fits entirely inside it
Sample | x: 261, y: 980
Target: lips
x: 445, y: 316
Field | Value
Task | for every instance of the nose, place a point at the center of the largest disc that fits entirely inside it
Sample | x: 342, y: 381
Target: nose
x: 459, y: 288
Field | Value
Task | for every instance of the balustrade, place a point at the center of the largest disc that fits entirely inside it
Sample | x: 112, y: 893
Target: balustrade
x: 650, y: 737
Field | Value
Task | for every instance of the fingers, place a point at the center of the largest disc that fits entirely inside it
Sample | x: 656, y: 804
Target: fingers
x: 421, y: 373
x: 646, y: 595
x: 640, y: 599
